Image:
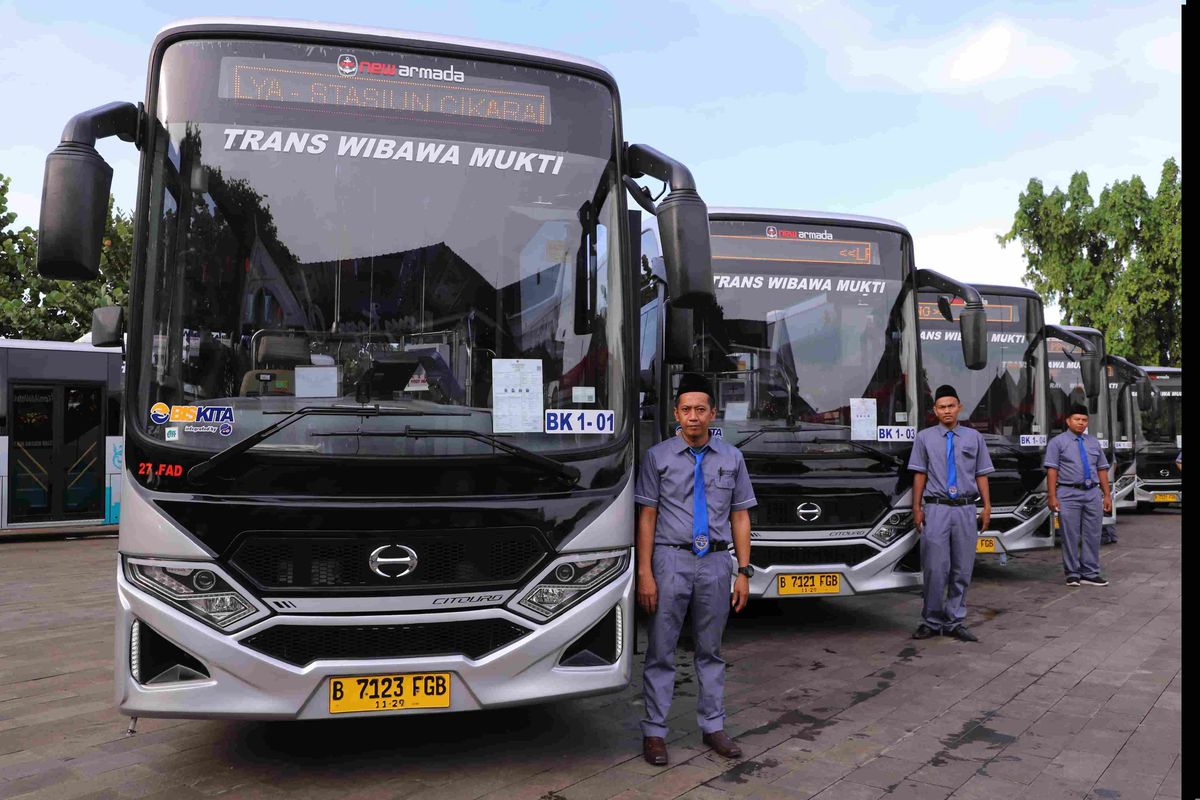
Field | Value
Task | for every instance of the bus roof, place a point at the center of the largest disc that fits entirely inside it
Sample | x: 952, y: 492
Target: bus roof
x: 376, y: 36
x: 827, y: 217
x: 38, y: 344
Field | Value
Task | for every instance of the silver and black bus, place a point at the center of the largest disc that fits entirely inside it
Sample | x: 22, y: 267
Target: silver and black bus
x: 381, y: 367
x: 813, y: 351
x: 1130, y: 391
x: 1159, y: 481
x: 1008, y: 402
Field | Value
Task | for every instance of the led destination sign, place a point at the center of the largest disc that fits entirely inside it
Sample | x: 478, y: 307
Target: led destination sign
x: 268, y: 82
x: 788, y: 250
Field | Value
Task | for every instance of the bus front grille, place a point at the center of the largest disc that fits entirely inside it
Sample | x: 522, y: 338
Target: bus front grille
x: 301, y: 645
x: 802, y: 556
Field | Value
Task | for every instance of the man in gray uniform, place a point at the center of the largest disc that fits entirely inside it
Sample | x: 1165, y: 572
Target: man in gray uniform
x: 951, y: 465
x: 695, y: 497
x: 1075, y: 469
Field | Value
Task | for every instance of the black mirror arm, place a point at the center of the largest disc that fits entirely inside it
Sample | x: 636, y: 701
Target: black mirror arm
x: 1064, y: 335
x: 1133, y: 372
x: 642, y: 159
x: 929, y: 279
x: 122, y: 120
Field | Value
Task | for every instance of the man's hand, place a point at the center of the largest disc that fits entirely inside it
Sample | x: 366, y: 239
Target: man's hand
x: 1052, y: 504
x: 647, y: 593
x: 985, y: 518
x: 919, y: 519
x: 741, y: 592
x: 1107, y: 503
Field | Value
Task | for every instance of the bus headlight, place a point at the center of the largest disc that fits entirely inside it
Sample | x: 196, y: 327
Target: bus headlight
x: 893, y: 528
x: 1124, y: 482
x: 1032, y: 505
x: 195, y: 589
x: 569, y: 580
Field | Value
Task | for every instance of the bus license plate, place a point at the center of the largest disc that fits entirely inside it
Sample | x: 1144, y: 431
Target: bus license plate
x: 389, y: 692
x: 1166, y: 498
x: 985, y: 544
x: 815, y: 583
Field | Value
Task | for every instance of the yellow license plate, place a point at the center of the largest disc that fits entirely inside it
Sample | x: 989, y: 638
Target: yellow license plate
x: 389, y: 692
x: 815, y: 583
x: 1166, y: 498
x: 985, y: 544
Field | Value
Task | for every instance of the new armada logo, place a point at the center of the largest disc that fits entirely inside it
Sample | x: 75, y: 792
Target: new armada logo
x: 347, y: 64
x: 808, y: 512
x: 397, y: 563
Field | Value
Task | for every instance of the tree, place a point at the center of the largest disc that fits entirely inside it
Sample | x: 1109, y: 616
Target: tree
x: 33, y: 307
x: 1115, y: 265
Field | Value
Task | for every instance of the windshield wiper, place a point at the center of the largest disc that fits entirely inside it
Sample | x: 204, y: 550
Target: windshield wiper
x: 795, y: 427
x: 196, y: 473
x: 880, y: 455
x: 565, y: 472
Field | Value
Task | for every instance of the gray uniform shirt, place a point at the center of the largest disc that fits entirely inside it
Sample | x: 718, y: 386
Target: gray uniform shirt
x: 668, y: 476
x: 1062, y: 454
x: 971, y: 458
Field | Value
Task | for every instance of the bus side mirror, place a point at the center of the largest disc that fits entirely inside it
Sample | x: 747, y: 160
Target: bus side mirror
x: 108, y: 326
x: 973, y: 324
x: 75, y: 192
x: 1092, y: 374
x: 1145, y: 395
x: 74, y: 207
x: 680, y: 335
x: 687, y: 252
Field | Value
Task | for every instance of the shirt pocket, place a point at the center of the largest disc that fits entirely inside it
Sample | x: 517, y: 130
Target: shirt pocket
x: 726, y: 479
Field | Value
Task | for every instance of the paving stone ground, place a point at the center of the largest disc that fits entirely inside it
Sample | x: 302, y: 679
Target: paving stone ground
x: 1071, y: 693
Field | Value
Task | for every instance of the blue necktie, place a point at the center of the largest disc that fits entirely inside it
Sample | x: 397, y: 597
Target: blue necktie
x: 699, y: 509
x: 952, y: 468
x: 1087, y: 468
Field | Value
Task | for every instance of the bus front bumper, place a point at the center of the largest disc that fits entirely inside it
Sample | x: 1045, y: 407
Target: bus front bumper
x: 1021, y: 534
x: 882, y: 572
x: 1159, y: 492
x: 246, y: 684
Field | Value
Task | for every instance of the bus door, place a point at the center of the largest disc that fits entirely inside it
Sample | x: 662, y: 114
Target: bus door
x: 56, y: 453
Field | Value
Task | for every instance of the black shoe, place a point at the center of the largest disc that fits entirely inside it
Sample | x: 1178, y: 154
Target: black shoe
x: 654, y: 750
x: 1072, y: 581
x: 923, y: 631
x: 962, y: 634
x: 1095, y: 580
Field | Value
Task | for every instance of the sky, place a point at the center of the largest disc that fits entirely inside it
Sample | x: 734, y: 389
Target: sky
x: 933, y: 114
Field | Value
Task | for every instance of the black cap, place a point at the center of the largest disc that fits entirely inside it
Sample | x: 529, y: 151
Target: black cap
x: 1079, y: 408
x: 691, y: 382
x: 945, y: 390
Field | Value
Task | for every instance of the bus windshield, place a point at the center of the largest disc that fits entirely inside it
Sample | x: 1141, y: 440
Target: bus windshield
x: 814, y: 326
x: 332, y: 226
x: 1165, y: 424
x: 1066, y: 389
x: 1007, y: 398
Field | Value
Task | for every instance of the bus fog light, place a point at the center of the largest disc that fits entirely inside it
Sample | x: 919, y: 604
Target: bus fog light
x: 1034, y: 503
x: 196, y: 591
x: 1124, y: 482
x: 570, y: 580
x: 893, y: 528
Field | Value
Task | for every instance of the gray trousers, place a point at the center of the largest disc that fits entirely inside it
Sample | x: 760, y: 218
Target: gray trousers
x: 947, y: 558
x: 703, y: 585
x: 1080, y: 515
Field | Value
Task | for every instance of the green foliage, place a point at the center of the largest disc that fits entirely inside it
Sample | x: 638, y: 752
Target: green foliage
x: 33, y: 307
x: 1115, y: 265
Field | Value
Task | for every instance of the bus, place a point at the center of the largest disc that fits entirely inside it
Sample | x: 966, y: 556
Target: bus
x: 1130, y: 391
x: 1159, y: 481
x: 813, y: 352
x: 1008, y: 403
x: 379, y: 445
x: 1070, y: 360
x: 61, y: 454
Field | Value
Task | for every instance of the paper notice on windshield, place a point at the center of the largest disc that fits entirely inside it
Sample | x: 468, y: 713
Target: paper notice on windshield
x: 862, y: 418
x: 316, y: 381
x: 517, y: 395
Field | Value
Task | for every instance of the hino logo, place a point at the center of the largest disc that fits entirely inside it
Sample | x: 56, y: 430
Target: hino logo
x: 400, y: 563
x: 1164, y: 473
x: 808, y: 512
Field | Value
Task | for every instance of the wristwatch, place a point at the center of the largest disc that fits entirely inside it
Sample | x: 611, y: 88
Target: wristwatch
x: 747, y: 570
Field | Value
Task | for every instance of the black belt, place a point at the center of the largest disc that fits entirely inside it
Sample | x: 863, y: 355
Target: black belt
x: 1083, y: 486
x: 688, y: 547
x: 946, y: 501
